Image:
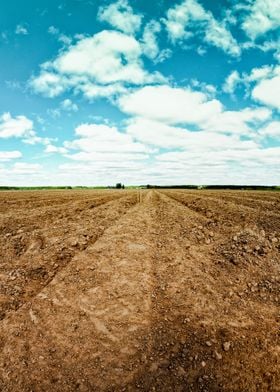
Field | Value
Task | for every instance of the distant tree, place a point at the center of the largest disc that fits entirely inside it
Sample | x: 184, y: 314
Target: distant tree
x: 118, y: 185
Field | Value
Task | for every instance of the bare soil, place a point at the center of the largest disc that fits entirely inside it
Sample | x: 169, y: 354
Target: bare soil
x: 166, y: 290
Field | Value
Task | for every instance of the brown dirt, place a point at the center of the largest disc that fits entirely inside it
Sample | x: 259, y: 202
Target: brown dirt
x: 150, y: 291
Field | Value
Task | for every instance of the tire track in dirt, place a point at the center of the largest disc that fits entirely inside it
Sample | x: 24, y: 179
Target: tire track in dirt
x: 48, y: 252
x: 240, y: 240
x: 84, y: 329
x: 264, y: 205
x: 36, y: 200
x: 268, y: 196
x: 52, y: 210
x: 232, y: 213
x: 194, y: 318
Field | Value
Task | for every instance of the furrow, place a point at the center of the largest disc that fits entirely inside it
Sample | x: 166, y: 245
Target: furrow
x: 47, y: 252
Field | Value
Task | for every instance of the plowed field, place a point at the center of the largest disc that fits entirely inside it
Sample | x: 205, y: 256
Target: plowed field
x: 166, y: 290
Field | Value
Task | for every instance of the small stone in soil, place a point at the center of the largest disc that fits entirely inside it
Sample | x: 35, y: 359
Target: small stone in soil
x: 226, y: 346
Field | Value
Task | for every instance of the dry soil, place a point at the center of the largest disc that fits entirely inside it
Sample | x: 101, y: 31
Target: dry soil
x: 166, y: 290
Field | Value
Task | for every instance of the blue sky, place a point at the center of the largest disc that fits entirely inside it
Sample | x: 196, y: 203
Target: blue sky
x: 99, y: 92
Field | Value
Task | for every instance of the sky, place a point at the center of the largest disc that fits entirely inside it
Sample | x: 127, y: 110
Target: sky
x: 139, y: 92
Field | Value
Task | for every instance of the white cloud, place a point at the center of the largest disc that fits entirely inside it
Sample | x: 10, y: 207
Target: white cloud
x: 49, y: 84
x: 263, y: 16
x: 121, y: 16
x: 69, y: 106
x: 50, y: 148
x: 108, y: 159
x: 170, y: 105
x: 19, y: 126
x: 208, y: 89
x: 263, y: 84
x: 163, y: 55
x: 107, y: 57
x: 267, y: 91
x: 65, y: 39
x: 53, y: 30
x: 61, y: 37
x: 14, y: 84
x: 4, y: 37
x: 104, y: 154
x: 218, y: 35
x: 158, y: 134
x: 100, y: 142
x: 26, y: 168
x: 231, y: 82
x: 150, y: 44
x: 54, y: 113
x: 33, y: 138
x: 9, y: 155
x: 246, y: 156
x: 187, y: 120
x: 93, y: 65
x: 271, y: 130
x: 258, y: 74
x: 190, y: 18
x: 92, y: 91
x: 22, y: 174
x: 99, y: 168
x: 155, y: 108
x: 243, y: 122
x: 21, y: 30
x: 226, y: 166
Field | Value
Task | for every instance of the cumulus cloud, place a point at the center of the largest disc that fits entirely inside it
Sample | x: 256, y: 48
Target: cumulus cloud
x: 271, y: 130
x: 121, y: 16
x: 49, y: 84
x: 231, y: 82
x: 156, y: 133
x: 95, y: 64
x: 267, y: 91
x: 33, y: 138
x: 95, y: 142
x: 19, y: 126
x: 194, y: 129
x: 150, y: 44
x: 263, y: 16
x: 170, y: 105
x: 165, y: 136
x: 171, y: 134
x: 107, y: 57
x: 91, y: 90
x: 69, y: 106
x: 242, y: 122
x: 189, y: 18
x: 103, y: 152
x: 50, y: 148
x: 262, y: 84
